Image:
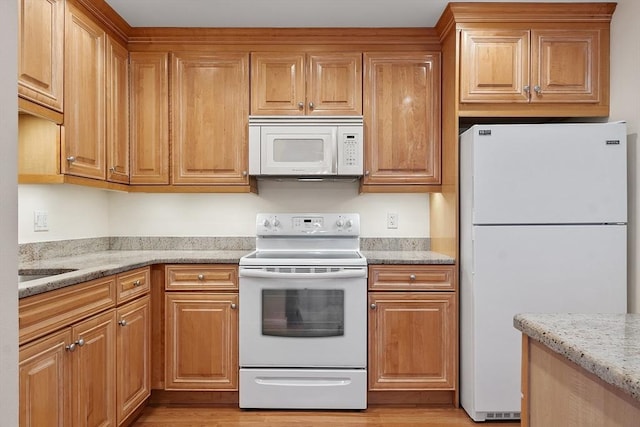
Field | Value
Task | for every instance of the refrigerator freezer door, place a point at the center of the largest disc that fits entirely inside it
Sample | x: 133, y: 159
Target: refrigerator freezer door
x: 549, y: 174
x: 517, y: 269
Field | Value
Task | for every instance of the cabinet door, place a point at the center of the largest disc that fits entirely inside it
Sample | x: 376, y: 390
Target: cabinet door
x: 494, y: 66
x: 402, y: 118
x: 412, y: 341
x: 133, y: 356
x: 334, y: 84
x: 41, y: 51
x: 209, y: 107
x: 45, y: 381
x: 117, y: 112
x: 149, y: 117
x: 277, y: 83
x: 94, y: 371
x: 565, y: 66
x: 201, y: 351
x: 84, y: 142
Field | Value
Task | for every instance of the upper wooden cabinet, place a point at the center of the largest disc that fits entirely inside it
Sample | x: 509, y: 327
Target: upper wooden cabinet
x: 209, y: 111
x: 312, y: 84
x: 149, y: 117
x: 537, y: 66
x: 41, y: 48
x: 554, y: 62
x: 117, y: 111
x: 402, y: 121
x: 84, y: 141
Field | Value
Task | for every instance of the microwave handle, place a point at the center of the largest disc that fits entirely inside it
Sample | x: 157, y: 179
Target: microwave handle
x: 262, y: 274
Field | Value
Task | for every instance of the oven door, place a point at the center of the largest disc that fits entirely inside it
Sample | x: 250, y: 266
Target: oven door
x: 309, y: 317
x: 299, y: 150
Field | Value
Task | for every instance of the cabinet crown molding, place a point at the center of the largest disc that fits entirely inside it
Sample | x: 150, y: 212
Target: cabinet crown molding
x: 495, y: 12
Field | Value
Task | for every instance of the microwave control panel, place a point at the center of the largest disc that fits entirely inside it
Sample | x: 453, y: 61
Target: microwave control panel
x: 350, y: 151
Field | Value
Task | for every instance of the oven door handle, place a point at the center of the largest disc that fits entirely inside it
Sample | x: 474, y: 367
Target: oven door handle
x: 344, y: 274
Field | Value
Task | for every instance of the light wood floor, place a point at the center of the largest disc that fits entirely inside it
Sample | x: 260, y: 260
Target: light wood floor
x: 189, y: 416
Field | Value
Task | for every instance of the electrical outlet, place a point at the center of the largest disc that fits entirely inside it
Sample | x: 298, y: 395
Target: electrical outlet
x: 40, y: 221
x: 392, y: 220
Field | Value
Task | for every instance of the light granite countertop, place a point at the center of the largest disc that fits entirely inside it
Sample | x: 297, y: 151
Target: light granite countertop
x: 607, y: 345
x: 94, y: 265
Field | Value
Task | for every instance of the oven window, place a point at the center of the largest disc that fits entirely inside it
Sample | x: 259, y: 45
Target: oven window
x: 303, y: 312
x: 290, y: 150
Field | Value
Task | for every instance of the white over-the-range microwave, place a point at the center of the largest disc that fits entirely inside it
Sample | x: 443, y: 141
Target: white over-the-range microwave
x: 304, y: 146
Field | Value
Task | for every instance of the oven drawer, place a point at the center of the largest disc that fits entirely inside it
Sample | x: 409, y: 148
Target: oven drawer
x: 303, y: 388
x: 412, y: 277
x: 190, y: 277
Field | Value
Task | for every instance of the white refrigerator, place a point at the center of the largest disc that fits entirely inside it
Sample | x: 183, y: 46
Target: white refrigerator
x: 543, y: 228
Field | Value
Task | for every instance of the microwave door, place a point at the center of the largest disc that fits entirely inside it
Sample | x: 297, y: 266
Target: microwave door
x: 299, y: 150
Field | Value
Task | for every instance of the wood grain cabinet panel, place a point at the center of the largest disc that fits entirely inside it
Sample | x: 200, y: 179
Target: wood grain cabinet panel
x: 284, y: 83
x: 412, y: 340
x: 94, y: 371
x: 201, y: 351
x: 133, y: 284
x: 133, y: 357
x: 402, y: 118
x: 117, y: 111
x: 187, y: 277
x: 41, y: 52
x: 85, y: 138
x: 412, y: 277
x: 210, y: 109
x: 149, y: 117
x: 45, y: 381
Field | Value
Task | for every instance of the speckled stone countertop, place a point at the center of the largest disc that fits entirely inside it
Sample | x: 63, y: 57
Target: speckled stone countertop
x: 607, y: 345
x: 98, y: 264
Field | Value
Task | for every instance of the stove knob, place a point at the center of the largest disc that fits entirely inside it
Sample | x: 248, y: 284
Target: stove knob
x: 340, y: 223
x: 265, y: 223
x: 349, y: 223
x: 276, y: 222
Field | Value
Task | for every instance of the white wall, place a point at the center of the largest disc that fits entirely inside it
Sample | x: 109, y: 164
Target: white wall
x: 74, y: 212
x: 625, y: 105
x: 234, y: 214
x: 8, y: 214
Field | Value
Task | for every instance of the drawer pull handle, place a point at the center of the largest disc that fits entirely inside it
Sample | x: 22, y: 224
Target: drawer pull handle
x: 137, y: 283
x: 200, y: 276
x: 122, y: 322
x: 412, y: 277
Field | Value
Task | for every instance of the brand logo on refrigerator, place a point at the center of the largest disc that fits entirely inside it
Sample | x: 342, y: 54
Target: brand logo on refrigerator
x: 613, y: 142
x: 484, y: 132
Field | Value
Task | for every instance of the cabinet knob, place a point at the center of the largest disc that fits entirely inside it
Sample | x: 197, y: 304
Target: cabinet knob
x: 244, y: 173
x: 137, y: 283
x: 366, y: 173
x: 70, y: 347
x: 412, y: 277
x: 311, y: 105
x: 200, y: 276
x: 526, y: 89
x: 233, y: 306
x: 80, y: 342
x: 301, y: 105
x: 112, y: 169
x: 71, y: 159
x: 373, y: 306
x: 537, y: 89
x: 122, y: 322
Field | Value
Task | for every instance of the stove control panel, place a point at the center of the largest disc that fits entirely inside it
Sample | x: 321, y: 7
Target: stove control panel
x: 308, y: 224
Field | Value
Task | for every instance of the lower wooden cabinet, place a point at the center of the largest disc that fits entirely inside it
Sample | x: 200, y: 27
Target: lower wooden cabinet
x: 68, y: 378
x: 133, y: 356
x: 412, y: 329
x: 45, y: 381
x: 201, y: 341
x: 83, y: 361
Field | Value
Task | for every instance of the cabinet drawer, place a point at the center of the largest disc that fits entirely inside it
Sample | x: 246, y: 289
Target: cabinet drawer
x: 412, y: 277
x: 40, y: 314
x: 133, y: 284
x: 202, y: 277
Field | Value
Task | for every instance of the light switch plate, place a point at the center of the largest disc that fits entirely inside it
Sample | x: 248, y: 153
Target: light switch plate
x: 40, y: 221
